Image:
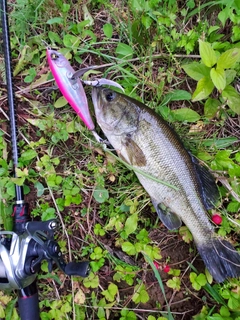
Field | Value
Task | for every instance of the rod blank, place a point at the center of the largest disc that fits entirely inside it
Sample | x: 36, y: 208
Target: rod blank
x: 10, y: 93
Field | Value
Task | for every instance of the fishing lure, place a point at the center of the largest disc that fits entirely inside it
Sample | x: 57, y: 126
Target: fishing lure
x: 71, y: 86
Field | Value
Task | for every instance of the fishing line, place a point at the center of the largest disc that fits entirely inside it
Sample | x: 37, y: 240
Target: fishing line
x: 147, y: 175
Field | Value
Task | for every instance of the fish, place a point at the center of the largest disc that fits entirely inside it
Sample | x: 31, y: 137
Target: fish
x: 144, y: 140
x: 70, y: 87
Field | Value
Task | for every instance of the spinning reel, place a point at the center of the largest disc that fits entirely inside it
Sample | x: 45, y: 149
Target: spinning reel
x: 21, y: 254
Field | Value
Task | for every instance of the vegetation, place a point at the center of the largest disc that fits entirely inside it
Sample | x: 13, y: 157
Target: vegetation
x: 181, y: 58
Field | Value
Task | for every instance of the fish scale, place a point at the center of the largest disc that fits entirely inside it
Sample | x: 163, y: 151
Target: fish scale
x: 176, y: 173
x: 145, y: 141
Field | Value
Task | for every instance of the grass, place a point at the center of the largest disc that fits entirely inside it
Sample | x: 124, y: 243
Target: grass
x: 105, y: 214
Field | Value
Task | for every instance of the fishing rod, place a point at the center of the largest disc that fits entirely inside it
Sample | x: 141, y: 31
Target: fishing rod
x: 23, y: 249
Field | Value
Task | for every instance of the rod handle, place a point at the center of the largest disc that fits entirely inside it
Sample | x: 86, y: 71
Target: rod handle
x: 28, y: 303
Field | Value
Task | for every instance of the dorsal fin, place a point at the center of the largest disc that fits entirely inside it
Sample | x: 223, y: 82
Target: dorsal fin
x: 207, y: 185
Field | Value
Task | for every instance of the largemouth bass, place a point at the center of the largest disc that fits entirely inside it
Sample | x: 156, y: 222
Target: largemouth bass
x: 144, y: 140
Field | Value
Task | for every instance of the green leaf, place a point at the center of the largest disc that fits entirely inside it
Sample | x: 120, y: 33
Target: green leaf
x: 223, y: 15
x: 233, y: 303
x: 31, y: 75
x: 201, y: 279
x: 65, y: 7
x: 2, y: 313
x: 28, y: 155
x: 204, y: 88
x: 177, y: 95
x: 128, y: 315
x: 230, y: 76
x: 224, y: 311
x: 146, y: 21
x: 111, y: 292
x: 129, y: 248
x: 58, y: 20
x: 143, y: 236
x: 218, y: 78
x: 131, y: 224
x: 124, y: 51
x: 61, y: 102
x: 6, y: 216
x: 151, y: 251
x: 174, y: 283
x: 100, y: 194
x: 137, y: 5
x: 92, y: 281
x: 18, y: 181
x: 237, y: 157
x: 40, y: 188
x: 229, y: 58
x: 198, y: 281
x: 101, y: 313
x: 226, y: 294
x: 71, y: 41
x: 232, y: 98
x: 220, y: 143
x: 2, y: 171
x: 212, y: 29
x: 233, y: 206
x: 48, y: 214
x: 108, y: 30
x: 185, y: 114
x: 207, y: 54
x: 10, y: 311
x: 54, y: 37
x: 211, y: 107
x: 96, y: 265
x: 196, y: 70
x: 185, y: 234
x: 193, y: 276
x: 140, y: 294
x: 10, y: 188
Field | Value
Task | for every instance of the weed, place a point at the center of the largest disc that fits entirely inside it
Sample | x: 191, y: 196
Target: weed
x: 215, y: 71
x: 107, y: 216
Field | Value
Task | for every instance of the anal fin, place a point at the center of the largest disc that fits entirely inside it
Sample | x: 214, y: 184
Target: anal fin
x: 168, y: 218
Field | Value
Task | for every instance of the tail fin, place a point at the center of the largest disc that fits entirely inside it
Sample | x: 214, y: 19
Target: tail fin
x: 220, y: 258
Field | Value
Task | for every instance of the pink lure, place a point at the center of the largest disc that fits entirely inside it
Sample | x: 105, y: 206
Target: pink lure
x: 71, y: 89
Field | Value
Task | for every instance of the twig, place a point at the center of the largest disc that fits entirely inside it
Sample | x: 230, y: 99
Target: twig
x: 141, y: 310
x: 226, y: 184
x: 55, y: 287
x: 61, y: 219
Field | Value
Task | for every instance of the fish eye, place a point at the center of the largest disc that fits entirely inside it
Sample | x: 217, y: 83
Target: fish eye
x: 54, y: 56
x: 111, y: 95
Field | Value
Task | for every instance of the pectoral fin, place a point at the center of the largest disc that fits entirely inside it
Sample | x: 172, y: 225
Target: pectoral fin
x: 135, y: 153
x: 168, y: 218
